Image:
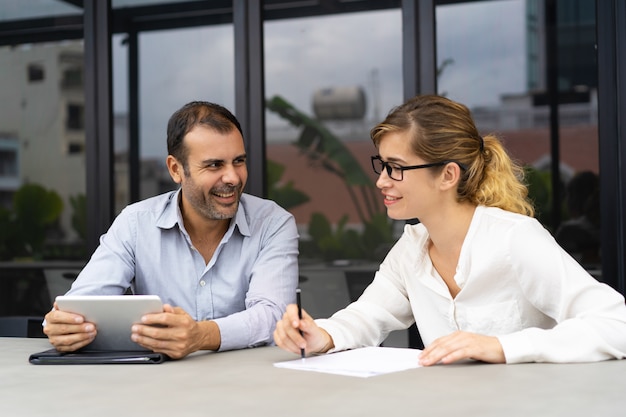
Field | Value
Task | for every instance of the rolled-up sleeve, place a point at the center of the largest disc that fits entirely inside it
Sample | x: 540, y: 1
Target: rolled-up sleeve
x: 273, y: 279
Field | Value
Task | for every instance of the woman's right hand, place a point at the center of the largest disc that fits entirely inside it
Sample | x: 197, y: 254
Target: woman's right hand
x: 293, y: 333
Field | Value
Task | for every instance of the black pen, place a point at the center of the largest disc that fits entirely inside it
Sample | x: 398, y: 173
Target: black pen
x: 299, y: 301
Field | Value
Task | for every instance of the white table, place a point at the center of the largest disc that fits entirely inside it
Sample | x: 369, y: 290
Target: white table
x: 245, y: 383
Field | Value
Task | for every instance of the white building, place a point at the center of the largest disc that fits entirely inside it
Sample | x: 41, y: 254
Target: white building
x: 42, y: 136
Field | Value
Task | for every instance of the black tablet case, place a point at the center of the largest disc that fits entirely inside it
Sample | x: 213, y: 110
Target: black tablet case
x: 54, y: 357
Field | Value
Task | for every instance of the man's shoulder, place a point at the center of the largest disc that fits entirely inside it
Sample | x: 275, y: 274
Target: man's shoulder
x: 261, y: 207
x: 155, y: 201
x: 154, y: 205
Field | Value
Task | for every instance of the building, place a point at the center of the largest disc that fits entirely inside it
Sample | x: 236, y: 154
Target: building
x: 249, y: 65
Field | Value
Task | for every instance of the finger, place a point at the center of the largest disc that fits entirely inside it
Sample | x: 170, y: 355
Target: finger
x: 63, y: 317
x: 284, y: 337
x: 292, y: 315
x: 55, y: 329
x: 71, y: 342
x: 171, y: 316
x: 436, y: 351
x: 160, y: 341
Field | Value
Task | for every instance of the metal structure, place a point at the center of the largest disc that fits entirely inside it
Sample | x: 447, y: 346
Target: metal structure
x: 100, y: 20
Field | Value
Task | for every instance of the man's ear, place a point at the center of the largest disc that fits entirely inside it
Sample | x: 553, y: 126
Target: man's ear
x: 175, y: 169
x: 451, y: 175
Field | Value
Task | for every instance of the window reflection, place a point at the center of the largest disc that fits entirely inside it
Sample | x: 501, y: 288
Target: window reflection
x: 42, y: 151
x: 175, y: 67
x: 335, y: 76
x: 503, y: 80
x: 328, y: 81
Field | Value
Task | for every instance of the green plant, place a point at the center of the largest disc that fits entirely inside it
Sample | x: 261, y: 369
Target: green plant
x: 325, y: 151
x: 35, y: 210
x: 282, y: 193
x: 341, y: 242
x: 540, y: 193
x: 79, y: 214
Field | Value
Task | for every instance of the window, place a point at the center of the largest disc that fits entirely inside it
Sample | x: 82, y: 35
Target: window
x: 35, y: 72
x: 72, y: 78
x: 75, y: 117
x: 8, y: 163
x: 75, y: 148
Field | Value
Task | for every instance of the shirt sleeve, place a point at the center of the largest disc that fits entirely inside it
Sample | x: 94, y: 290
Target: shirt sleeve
x: 115, y: 255
x: 590, y: 316
x: 273, y: 284
x: 382, y: 308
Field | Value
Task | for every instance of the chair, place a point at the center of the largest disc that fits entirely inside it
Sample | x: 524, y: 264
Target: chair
x: 357, y: 281
x: 21, y: 326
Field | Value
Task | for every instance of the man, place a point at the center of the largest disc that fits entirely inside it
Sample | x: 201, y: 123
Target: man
x: 223, y: 262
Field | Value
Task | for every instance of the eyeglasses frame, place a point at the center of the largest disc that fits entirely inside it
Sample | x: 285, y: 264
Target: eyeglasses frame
x: 401, y: 168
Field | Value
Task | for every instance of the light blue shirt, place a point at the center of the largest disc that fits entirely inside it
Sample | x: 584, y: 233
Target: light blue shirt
x: 244, y: 288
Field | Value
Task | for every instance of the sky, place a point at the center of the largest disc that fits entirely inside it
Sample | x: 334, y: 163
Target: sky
x: 484, y: 41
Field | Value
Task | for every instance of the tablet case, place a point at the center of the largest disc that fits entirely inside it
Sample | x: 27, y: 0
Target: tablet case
x: 54, y: 357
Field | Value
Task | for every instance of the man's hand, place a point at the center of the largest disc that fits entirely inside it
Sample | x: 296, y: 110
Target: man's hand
x: 463, y: 345
x: 293, y: 333
x: 68, y: 332
x: 175, y: 333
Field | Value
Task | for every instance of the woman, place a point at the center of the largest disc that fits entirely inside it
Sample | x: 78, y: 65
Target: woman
x: 480, y: 277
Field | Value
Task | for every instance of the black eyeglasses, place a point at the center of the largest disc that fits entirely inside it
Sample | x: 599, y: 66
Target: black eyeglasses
x: 395, y: 171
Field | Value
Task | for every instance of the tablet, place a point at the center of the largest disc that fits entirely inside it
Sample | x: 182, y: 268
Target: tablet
x: 113, y: 316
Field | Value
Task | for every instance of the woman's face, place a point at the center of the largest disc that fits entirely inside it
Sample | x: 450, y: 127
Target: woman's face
x: 415, y: 195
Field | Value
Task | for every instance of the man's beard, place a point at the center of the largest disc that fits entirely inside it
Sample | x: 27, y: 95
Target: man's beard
x: 212, y: 210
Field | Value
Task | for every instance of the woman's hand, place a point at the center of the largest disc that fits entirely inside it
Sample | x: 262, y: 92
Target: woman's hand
x: 463, y: 345
x: 293, y: 333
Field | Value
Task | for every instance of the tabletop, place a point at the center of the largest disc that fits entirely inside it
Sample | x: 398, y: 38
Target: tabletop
x: 245, y: 383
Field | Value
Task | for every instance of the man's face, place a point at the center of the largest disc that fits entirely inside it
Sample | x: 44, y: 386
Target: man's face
x: 216, y: 173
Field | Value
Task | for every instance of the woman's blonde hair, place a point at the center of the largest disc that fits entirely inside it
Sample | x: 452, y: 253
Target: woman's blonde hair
x: 443, y: 130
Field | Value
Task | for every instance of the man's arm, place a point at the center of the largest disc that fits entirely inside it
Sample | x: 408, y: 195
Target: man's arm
x: 175, y: 333
x: 272, y: 284
x: 68, y: 332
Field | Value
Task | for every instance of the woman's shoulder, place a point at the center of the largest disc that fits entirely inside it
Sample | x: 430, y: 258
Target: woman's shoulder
x: 412, y: 243
x: 495, y: 215
x: 414, y: 232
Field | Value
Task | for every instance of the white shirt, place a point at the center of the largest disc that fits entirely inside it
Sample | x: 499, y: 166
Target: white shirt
x: 516, y: 283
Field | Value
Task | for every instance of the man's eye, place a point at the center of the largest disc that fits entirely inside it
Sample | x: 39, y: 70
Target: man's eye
x: 241, y: 161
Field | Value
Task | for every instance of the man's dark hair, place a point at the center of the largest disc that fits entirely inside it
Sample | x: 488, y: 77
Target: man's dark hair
x: 192, y: 114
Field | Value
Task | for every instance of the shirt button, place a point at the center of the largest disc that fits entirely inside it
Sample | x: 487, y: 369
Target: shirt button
x: 202, y: 283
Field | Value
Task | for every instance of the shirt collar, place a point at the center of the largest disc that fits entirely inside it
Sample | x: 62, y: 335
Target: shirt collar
x: 171, y: 215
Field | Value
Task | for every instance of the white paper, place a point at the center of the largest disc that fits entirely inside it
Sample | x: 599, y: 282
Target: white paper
x: 363, y: 362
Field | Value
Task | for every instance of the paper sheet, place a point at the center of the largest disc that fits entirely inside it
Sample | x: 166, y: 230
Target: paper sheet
x: 363, y: 362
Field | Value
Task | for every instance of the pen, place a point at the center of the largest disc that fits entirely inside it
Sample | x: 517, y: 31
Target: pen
x: 299, y: 301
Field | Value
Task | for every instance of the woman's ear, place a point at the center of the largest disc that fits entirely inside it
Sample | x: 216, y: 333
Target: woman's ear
x: 175, y: 169
x: 451, y: 175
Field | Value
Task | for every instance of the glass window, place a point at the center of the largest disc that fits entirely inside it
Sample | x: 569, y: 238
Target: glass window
x: 175, y: 67
x: 20, y: 9
x: 8, y: 158
x: 503, y: 80
x: 75, y: 117
x: 50, y: 173
x: 35, y: 72
x: 328, y: 81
